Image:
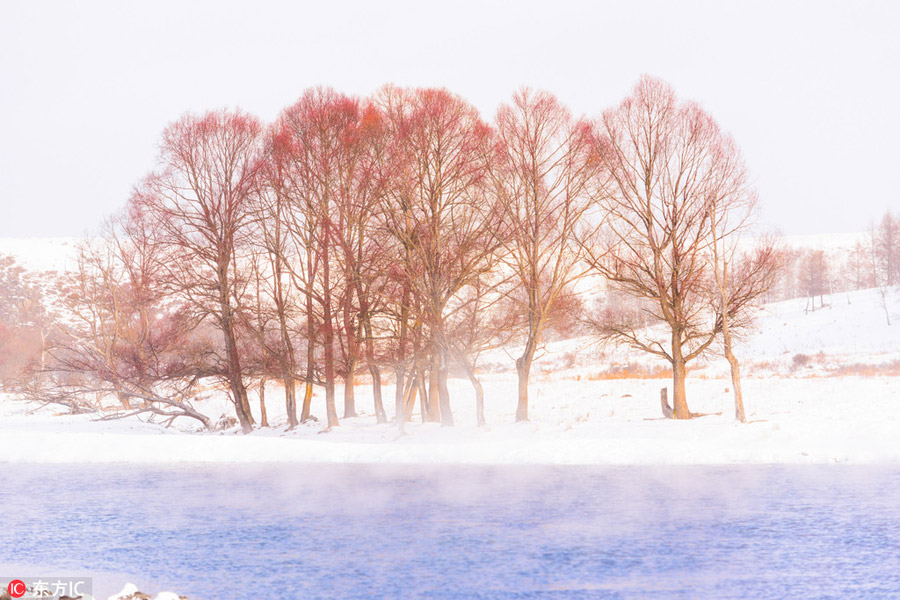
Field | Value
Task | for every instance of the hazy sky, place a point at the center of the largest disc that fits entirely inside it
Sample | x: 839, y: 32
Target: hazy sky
x: 810, y: 90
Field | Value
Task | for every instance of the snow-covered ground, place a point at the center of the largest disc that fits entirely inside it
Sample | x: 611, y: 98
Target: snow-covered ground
x: 813, y: 420
x: 573, y: 421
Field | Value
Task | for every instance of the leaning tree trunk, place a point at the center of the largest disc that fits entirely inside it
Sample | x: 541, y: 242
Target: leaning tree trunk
x: 479, y: 401
x: 735, y: 377
x: 241, y: 405
x: 479, y: 392
x: 308, y: 386
x: 235, y: 381
x: 523, y: 371
x: 234, y: 373
x: 679, y: 373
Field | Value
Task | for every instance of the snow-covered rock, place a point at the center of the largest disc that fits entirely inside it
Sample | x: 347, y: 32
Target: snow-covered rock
x: 129, y: 592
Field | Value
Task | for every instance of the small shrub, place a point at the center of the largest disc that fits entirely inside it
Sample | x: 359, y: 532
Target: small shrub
x: 801, y: 360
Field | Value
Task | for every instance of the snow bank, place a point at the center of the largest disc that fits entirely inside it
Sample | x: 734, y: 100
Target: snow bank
x: 574, y: 421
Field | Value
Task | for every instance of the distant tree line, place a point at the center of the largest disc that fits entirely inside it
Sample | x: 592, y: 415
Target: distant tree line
x: 401, y: 237
x: 873, y: 261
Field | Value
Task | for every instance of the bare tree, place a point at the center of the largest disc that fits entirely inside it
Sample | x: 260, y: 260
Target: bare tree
x: 481, y: 318
x: 202, y: 200
x: 887, y: 248
x: 815, y: 277
x: 440, y: 213
x: 274, y: 239
x: 858, y: 268
x: 884, y: 242
x: 319, y: 130
x: 24, y: 323
x: 660, y: 160
x: 742, y: 276
x: 542, y: 172
x: 119, y: 334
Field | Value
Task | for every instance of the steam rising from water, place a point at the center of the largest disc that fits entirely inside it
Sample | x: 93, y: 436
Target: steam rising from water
x: 363, y: 531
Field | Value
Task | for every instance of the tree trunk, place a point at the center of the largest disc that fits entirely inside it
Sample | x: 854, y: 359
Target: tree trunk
x: 290, y: 399
x: 399, y: 400
x: 423, y: 396
x: 307, y: 402
x: 479, y: 393
x: 241, y: 405
x: 679, y: 372
x: 722, y: 283
x: 236, y: 383
x: 409, y: 397
x: 234, y: 373
x: 287, y: 373
x: 479, y: 401
x: 375, y: 371
x: 523, y: 370
x: 349, y: 396
x: 433, y: 406
x: 352, y: 334
x: 124, y: 400
x: 263, y: 417
x: 380, y: 414
x: 310, y: 367
x: 736, y: 382
x: 328, y: 340
x: 400, y: 412
x: 444, y: 391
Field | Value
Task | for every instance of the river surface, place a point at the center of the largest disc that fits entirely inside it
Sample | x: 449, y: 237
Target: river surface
x: 351, y: 531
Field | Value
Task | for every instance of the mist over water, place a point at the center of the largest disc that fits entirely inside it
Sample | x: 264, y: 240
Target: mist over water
x: 350, y: 531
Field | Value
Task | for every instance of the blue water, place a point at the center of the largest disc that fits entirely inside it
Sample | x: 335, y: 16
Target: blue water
x: 347, y: 531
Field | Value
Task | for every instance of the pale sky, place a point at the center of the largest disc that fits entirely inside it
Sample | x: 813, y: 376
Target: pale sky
x: 810, y: 90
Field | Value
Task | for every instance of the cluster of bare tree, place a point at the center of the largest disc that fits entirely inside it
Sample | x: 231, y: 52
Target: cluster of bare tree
x: 873, y: 261
x: 401, y: 235
x: 23, y: 331
x: 676, y: 197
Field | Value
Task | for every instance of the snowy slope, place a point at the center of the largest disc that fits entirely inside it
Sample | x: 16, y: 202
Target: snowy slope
x: 41, y: 254
x: 851, y: 330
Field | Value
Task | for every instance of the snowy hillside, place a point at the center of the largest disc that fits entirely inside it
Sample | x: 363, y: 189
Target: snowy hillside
x: 41, y: 254
x: 850, y: 332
